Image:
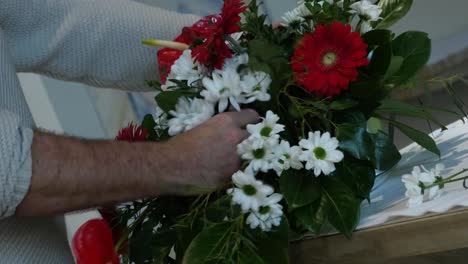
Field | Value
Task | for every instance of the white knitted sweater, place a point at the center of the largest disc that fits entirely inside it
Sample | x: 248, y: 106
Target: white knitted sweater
x: 96, y: 42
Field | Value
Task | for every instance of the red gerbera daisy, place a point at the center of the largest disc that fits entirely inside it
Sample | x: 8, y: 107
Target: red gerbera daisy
x: 92, y: 244
x: 132, y: 133
x: 326, y: 61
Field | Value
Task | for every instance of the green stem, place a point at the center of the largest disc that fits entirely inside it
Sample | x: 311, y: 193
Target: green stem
x: 457, y: 174
x: 130, y: 229
x: 237, y: 48
x: 446, y: 181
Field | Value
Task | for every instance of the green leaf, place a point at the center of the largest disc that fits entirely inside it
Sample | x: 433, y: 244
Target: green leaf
x: 168, y: 100
x: 149, y: 124
x: 386, y: 153
x: 378, y: 37
x: 395, y: 65
x: 355, y: 140
x: 154, y: 84
x: 313, y: 216
x: 266, y: 52
x: 343, y: 104
x: 392, y: 12
x: 381, y: 60
x: 344, y: 207
x: 358, y: 175
x: 273, y: 246
x: 415, y: 49
x: 417, y: 136
x: 400, y: 108
x: 374, y: 125
x: 300, y: 188
x: 209, y: 244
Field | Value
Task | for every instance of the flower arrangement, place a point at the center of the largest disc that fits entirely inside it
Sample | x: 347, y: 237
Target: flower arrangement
x: 320, y: 79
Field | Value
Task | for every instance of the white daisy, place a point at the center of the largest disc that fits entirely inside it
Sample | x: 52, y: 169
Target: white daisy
x: 268, y: 215
x: 320, y: 153
x: 184, y: 69
x: 427, y: 178
x: 249, y: 192
x: 366, y: 10
x: 268, y: 128
x: 420, y: 178
x: 414, y: 191
x: 236, y: 61
x: 188, y: 114
x: 255, y: 87
x: 259, y: 152
x: 297, y: 15
x: 286, y: 157
x: 223, y: 88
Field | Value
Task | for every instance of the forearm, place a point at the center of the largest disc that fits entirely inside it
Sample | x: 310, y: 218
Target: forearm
x: 70, y: 174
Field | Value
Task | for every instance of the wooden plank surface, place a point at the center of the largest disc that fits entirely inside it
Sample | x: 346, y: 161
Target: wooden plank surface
x: 421, y: 238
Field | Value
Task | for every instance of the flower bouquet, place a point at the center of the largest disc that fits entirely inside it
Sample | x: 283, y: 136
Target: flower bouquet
x: 323, y: 81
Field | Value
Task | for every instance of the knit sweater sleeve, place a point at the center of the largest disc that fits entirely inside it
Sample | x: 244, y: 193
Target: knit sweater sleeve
x: 97, y: 42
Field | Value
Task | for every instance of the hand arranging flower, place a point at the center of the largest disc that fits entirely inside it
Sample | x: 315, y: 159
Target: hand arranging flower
x: 317, y: 79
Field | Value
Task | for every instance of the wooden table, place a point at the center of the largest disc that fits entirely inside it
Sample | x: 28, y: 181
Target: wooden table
x: 427, y: 240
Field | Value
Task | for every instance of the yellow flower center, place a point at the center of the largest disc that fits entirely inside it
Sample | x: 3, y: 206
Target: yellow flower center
x: 329, y: 59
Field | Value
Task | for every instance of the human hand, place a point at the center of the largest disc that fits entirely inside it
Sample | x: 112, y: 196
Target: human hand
x: 207, y: 155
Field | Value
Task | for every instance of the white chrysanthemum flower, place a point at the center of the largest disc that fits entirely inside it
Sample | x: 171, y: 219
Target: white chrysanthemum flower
x: 297, y: 15
x: 236, y: 61
x: 286, y: 157
x: 255, y: 87
x: 417, y: 180
x: 435, y: 175
x: 268, y: 128
x: 249, y: 192
x: 223, y: 88
x: 184, y: 69
x: 188, y: 114
x: 414, y: 192
x: 320, y: 153
x: 259, y: 152
x: 268, y: 215
x: 366, y: 10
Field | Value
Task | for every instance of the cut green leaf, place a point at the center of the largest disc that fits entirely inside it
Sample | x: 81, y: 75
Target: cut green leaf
x: 355, y: 140
x: 392, y: 12
x: 415, y: 49
x: 344, y: 207
x: 313, y: 216
x: 209, y: 245
x: 300, y: 188
x: 358, y: 175
x: 417, y: 136
x: 386, y: 153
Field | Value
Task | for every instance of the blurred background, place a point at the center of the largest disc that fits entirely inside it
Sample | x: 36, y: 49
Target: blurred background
x: 84, y: 111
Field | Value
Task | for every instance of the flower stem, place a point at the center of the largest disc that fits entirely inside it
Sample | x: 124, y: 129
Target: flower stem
x: 457, y: 174
x: 129, y: 230
x: 235, y: 45
x: 166, y: 44
x: 448, y: 180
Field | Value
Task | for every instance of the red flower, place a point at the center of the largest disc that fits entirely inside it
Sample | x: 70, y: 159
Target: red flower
x: 92, y: 244
x: 211, y: 31
x: 231, y: 15
x: 132, y: 133
x: 326, y: 61
x: 214, y: 50
x: 168, y: 56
